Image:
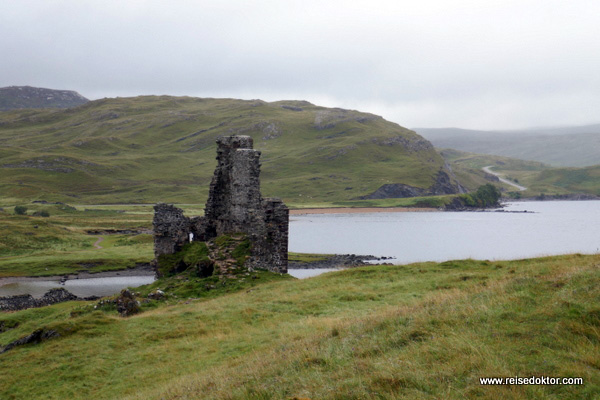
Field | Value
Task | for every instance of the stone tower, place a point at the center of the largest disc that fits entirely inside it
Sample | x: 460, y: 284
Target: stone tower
x: 234, y: 205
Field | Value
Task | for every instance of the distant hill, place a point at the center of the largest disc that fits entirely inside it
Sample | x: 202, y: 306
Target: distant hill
x: 540, y: 179
x: 568, y: 180
x: 19, y: 97
x: 577, y: 146
x: 149, y: 149
x: 468, y: 168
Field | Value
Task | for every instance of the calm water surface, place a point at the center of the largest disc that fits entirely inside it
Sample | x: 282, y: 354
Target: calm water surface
x: 105, y: 286
x: 553, y: 227
x: 309, y: 272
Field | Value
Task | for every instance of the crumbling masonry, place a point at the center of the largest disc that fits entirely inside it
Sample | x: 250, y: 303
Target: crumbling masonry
x: 234, y: 205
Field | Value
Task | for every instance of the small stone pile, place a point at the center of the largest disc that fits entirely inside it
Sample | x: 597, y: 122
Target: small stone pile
x: 127, y: 304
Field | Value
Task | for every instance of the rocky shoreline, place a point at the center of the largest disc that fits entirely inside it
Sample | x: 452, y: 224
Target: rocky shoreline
x: 138, y: 270
x: 338, y: 261
x: 52, y: 296
x: 58, y: 295
x: 559, y: 197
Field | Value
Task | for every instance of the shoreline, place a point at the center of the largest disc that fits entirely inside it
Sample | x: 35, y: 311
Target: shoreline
x: 136, y: 271
x: 359, y: 210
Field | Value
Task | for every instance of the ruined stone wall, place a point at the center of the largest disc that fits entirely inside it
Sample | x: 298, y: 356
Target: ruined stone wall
x: 171, y: 229
x: 234, y: 200
x: 234, y: 205
x: 271, y: 239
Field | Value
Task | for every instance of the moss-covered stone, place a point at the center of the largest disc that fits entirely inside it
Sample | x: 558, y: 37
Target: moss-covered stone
x: 242, y: 252
x: 227, y: 253
x: 194, y: 254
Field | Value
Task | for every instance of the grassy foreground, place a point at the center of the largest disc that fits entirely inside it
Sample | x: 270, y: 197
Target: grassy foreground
x: 421, y: 331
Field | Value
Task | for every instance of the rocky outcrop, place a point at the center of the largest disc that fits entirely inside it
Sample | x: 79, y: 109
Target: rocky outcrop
x: 327, y: 119
x: 16, y: 97
x: 395, y: 191
x: 22, y: 302
x: 337, y: 261
x: 490, y: 177
x: 127, y: 304
x: 412, y: 144
x: 444, y: 184
x: 234, y: 206
x: 456, y: 204
x: 7, y: 325
x: 36, y: 336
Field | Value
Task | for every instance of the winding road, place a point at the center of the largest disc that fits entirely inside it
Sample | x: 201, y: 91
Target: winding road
x: 489, y: 171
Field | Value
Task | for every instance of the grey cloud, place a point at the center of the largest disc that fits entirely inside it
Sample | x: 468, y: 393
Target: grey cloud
x: 472, y: 64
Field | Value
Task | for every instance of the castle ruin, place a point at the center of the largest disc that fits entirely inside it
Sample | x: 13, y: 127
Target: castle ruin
x: 234, y: 206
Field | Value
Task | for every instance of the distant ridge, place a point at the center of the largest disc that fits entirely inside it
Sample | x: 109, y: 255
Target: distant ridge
x: 575, y: 146
x: 19, y: 97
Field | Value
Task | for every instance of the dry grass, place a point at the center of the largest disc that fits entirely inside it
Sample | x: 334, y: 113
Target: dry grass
x: 423, y: 331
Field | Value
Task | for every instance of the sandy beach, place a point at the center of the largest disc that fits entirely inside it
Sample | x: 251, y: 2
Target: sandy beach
x: 357, y: 210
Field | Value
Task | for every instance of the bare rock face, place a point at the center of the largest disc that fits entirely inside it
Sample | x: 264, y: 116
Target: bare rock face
x: 37, y: 336
x: 18, y: 97
x: 234, y: 206
x: 444, y: 184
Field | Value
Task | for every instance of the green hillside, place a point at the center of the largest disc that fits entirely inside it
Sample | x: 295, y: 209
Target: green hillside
x: 468, y: 168
x: 149, y: 149
x: 420, y: 331
x: 539, y: 178
x: 568, y: 180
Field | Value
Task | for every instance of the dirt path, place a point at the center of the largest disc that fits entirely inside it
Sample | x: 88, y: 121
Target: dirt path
x: 489, y: 171
x: 97, y: 244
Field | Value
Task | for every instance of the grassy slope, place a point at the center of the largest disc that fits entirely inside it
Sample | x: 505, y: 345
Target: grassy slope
x: 561, y: 180
x: 60, y: 244
x: 468, y: 168
x: 537, y: 177
x: 422, y: 331
x: 150, y: 149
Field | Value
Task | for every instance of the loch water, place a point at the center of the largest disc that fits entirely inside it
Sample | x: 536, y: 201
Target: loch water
x: 102, y: 286
x: 520, y: 230
x: 547, y: 228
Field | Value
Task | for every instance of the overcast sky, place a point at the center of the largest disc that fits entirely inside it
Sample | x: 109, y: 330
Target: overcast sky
x: 427, y: 63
